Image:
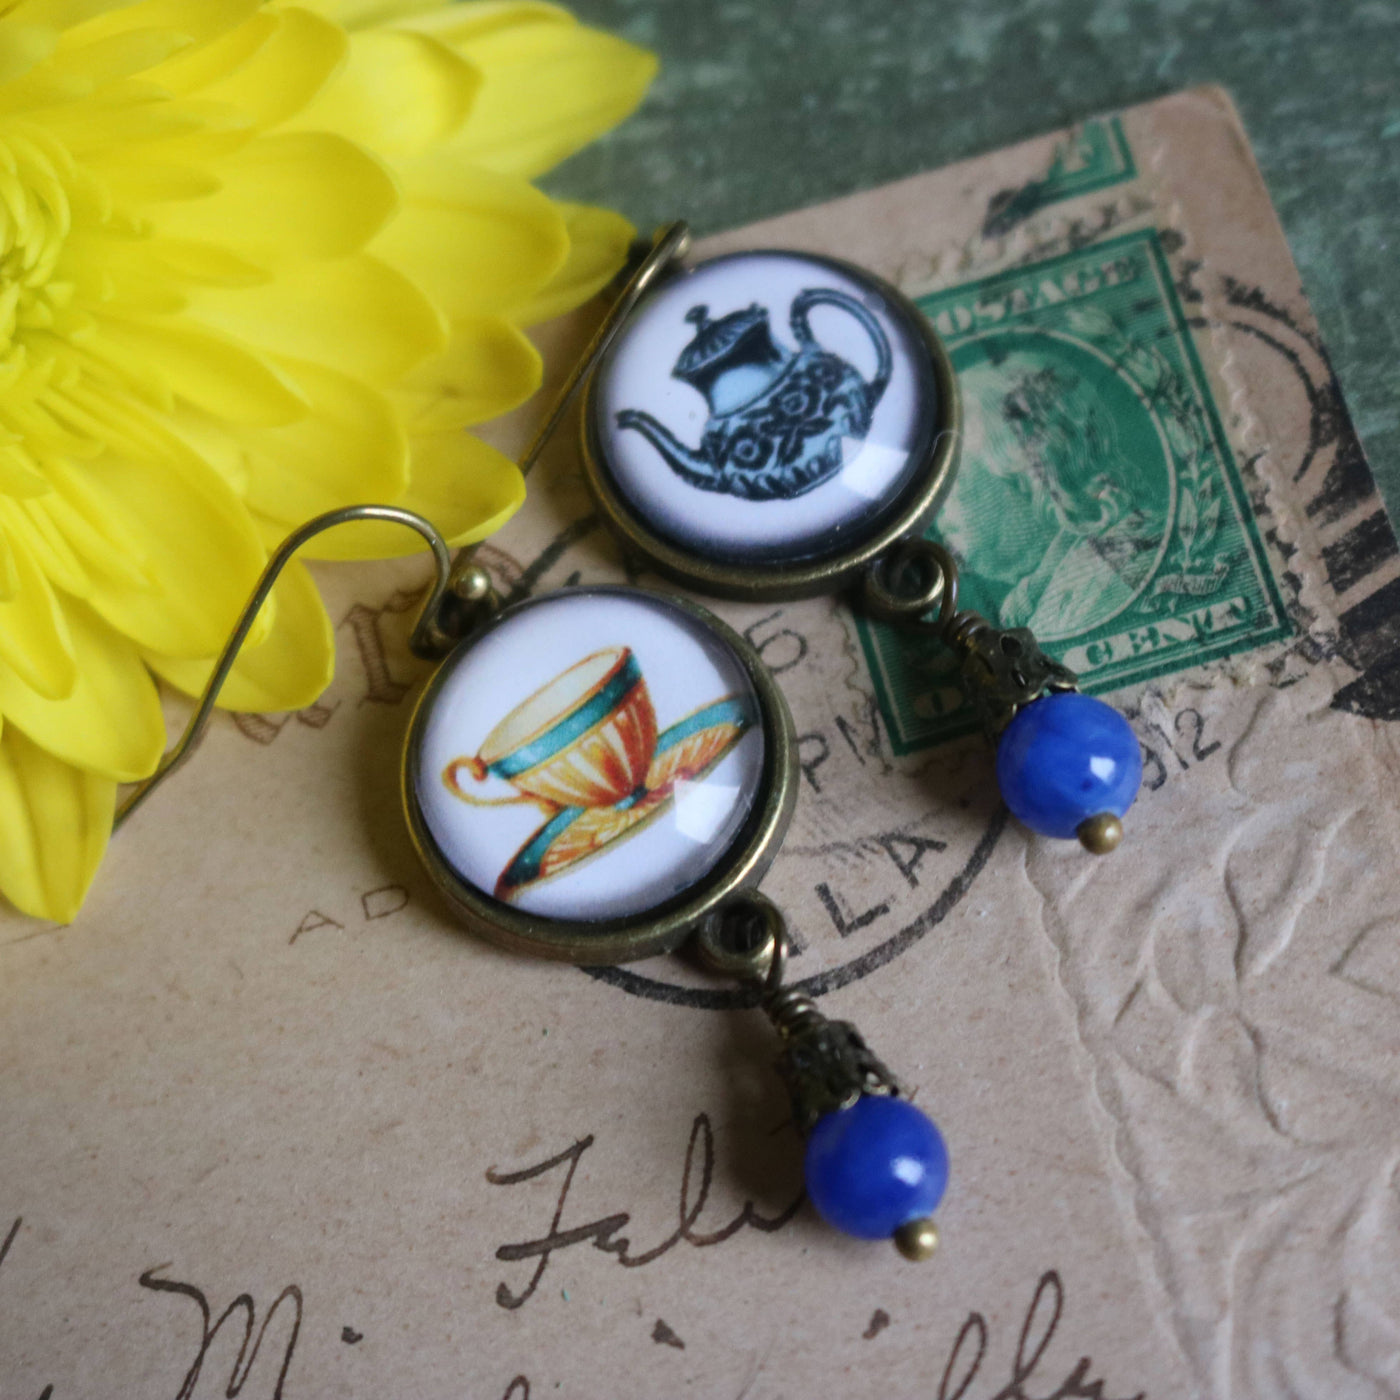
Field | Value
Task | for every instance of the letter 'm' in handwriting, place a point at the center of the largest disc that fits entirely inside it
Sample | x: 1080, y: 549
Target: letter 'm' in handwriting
x: 248, y: 1351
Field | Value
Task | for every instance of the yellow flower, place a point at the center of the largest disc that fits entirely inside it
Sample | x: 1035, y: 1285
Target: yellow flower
x: 257, y: 260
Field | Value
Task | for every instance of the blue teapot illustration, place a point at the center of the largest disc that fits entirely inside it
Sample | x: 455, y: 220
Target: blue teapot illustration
x: 780, y: 420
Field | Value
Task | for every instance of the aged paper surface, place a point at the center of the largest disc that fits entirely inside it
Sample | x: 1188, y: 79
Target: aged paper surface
x: 274, y: 1126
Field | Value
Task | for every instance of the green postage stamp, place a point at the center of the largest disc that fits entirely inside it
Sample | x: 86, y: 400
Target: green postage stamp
x: 1092, y: 157
x: 1098, y: 502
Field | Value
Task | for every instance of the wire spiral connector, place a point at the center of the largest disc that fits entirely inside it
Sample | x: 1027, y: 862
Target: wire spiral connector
x: 826, y: 1065
x: 1001, y: 669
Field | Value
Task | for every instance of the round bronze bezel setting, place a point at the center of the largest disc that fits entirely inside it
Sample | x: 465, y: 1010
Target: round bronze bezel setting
x: 668, y: 925
x: 906, y: 514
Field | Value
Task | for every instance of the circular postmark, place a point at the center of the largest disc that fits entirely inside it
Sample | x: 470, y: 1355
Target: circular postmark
x: 840, y: 973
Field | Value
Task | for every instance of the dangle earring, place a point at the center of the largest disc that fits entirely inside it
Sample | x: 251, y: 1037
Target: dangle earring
x: 601, y: 774
x: 747, y: 467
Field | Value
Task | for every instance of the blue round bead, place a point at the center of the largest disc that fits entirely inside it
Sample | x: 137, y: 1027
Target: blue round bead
x: 1065, y: 758
x: 875, y: 1166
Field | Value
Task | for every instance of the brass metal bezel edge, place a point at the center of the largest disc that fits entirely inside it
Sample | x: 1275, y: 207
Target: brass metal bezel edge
x: 804, y: 578
x: 601, y: 942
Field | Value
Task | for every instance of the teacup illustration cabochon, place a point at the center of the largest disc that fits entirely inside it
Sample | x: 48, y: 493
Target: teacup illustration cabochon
x: 591, y: 756
x: 765, y: 405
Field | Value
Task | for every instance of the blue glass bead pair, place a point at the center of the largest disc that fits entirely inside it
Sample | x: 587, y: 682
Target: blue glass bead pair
x: 1065, y: 764
x: 875, y: 1167
x: 1069, y: 765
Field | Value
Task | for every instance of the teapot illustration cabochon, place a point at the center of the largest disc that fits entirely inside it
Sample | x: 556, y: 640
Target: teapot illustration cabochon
x: 765, y: 405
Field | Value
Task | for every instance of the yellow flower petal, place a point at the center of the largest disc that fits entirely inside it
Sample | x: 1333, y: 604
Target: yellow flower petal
x: 87, y: 534
x: 22, y: 46
x: 199, y: 20
x: 55, y: 556
x: 111, y: 723
x: 202, y: 66
x: 210, y: 371
x: 193, y: 535
x: 41, y: 87
x: 138, y: 179
x: 551, y: 86
x: 214, y: 443
x: 54, y: 825
x: 112, y: 56
x: 205, y: 264
x: 354, y: 13
x: 350, y: 448
x: 34, y: 638
x: 488, y: 369
x: 457, y: 25
x: 19, y: 473
x: 357, y: 315
x: 517, y: 238
x: 127, y: 114
x: 598, y: 244
x: 290, y: 66
x: 115, y: 273
x: 467, y: 489
x: 286, y: 671
x: 398, y: 94
x: 63, y: 14
x: 291, y: 195
x: 9, y: 569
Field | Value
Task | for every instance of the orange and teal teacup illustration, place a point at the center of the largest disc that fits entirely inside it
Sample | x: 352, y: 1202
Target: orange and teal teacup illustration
x: 585, y: 739
x: 584, y: 748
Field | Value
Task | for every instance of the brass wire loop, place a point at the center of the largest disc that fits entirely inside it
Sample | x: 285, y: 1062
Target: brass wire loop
x: 792, y: 1012
x: 1001, y: 669
x: 826, y: 1065
x: 743, y: 937
x: 747, y: 938
x: 908, y: 581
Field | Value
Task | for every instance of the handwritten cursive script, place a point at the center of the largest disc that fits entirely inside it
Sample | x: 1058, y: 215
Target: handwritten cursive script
x: 697, y: 1176
x: 248, y: 1349
x: 1042, y: 1321
x: 964, y: 1366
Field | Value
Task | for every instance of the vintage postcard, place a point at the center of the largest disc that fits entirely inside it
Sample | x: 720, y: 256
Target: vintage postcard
x: 275, y: 1126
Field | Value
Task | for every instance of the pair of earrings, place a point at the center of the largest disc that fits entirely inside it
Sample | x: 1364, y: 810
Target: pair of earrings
x: 600, y: 774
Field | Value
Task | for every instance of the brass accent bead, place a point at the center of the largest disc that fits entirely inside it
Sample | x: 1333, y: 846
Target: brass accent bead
x: 1101, y: 834
x: 473, y: 585
x: 917, y: 1240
